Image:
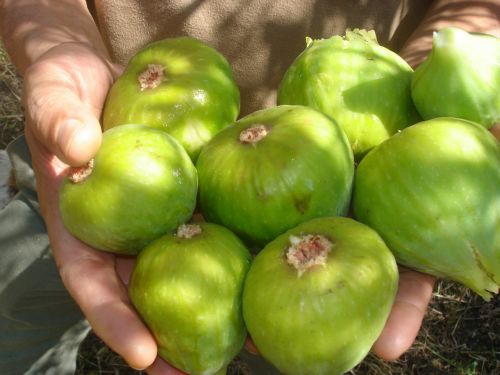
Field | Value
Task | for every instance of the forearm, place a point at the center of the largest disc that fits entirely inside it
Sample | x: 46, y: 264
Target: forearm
x: 29, y: 28
x: 471, y: 15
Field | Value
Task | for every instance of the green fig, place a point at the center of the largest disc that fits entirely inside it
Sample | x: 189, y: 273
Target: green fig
x: 140, y: 185
x: 460, y: 78
x: 273, y: 169
x: 362, y: 85
x: 187, y: 288
x: 318, y: 296
x: 180, y: 85
x: 432, y: 192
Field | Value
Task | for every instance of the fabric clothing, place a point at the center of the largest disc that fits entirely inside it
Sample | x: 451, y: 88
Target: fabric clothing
x: 40, y: 325
x: 259, y: 38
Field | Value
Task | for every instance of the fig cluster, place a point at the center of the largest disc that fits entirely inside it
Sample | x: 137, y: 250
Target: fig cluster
x: 287, y: 224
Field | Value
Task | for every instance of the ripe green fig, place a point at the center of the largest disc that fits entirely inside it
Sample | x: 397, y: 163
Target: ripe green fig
x: 460, y: 78
x: 180, y: 85
x: 318, y: 296
x: 187, y: 288
x: 273, y: 169
x: 432, y: 192
x: 140, y: 185
x: 364, y: 86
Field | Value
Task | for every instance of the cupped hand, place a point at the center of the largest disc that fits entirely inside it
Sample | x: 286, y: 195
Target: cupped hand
x: 63, y: 98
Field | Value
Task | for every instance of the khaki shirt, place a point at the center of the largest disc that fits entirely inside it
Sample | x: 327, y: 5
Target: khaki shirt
x: 260, y: 38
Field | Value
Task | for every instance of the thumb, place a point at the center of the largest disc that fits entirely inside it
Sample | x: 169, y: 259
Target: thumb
x: 63, y: 124
x: 64, y: 93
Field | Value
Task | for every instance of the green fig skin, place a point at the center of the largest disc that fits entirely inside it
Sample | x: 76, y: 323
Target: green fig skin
x: 362, y: 85
x: 143, y: 184
x: 325, y: 320
x: 188, y: 292
x: 303, y: 168
x: 460, y: 78
x: 195, y: 97
x: 433, y: 193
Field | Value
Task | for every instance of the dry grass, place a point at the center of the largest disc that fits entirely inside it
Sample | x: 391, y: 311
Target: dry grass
x: 11, y: 116
x: 460, y: 336
x: 461, y: 333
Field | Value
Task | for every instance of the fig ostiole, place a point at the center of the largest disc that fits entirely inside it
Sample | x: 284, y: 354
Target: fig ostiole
x: 273, y: 169
x: 460, y: 78
x: 433, y: 193
x: 140, y: 185
x: 317, y: 297
x: 187, y: 288
x: 362, y: 85
x: 179, y: 85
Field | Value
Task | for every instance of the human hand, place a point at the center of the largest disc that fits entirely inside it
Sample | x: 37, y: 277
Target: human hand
x: 64, y: 94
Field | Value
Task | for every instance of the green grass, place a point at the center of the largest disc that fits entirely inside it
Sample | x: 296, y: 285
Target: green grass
x: 460, y: 335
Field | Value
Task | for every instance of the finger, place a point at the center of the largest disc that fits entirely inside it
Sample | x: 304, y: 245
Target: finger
x: 408, y: 311
x: 89, y: 276
x: 96, y: 288
x: 63, y: 98
x: 160, y: 367
x: 60, y: 121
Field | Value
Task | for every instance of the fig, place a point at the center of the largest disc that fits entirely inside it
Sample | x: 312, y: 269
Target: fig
x: 140, y: 185
x: 432, y: 192
x: 460, y: 78
x: 364, y: 86
x: 273, y: 169
x: 187, y: 288
x: 180, y: 85
x: 317, y: 297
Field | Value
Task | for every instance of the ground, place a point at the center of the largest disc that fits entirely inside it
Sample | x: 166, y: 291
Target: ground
x: 460, y: 335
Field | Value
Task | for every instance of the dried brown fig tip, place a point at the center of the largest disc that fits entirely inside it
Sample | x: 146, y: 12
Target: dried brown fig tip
x: 80, y: 174
x: 308, y: 251
x: 151, y: 77
x: 254, y: 134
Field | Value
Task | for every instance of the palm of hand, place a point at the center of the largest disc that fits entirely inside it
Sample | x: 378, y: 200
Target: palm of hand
x: 64, y: 94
